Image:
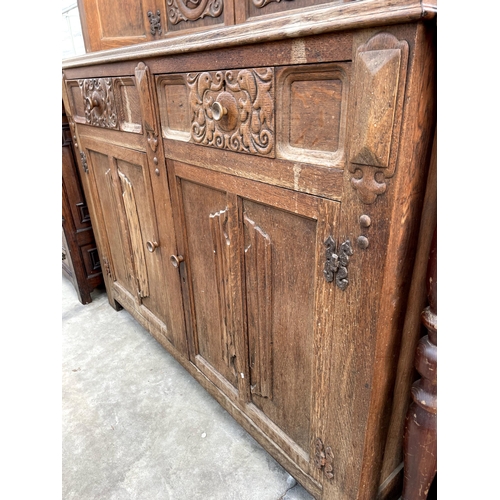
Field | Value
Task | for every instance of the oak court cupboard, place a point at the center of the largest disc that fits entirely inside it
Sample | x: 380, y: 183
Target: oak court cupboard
x: 256, y: 173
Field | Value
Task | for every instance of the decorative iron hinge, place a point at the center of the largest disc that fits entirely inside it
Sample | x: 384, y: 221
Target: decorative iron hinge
x: 84, y: 162
x: 337, y: 263
x: 323, y: 458
x: 155, y: 22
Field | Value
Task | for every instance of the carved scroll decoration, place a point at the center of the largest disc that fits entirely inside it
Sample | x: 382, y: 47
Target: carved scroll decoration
x: 259, y: 307
x: 337, y: 264
x: 221, y: 244
x: 262, y: 3
x: 323, y: 458
x: 139, y: 260
x: 192, y: 10
x: 379, y: 76
x: 248, y: 97
x: 99, y: 101
x: 155, y: 22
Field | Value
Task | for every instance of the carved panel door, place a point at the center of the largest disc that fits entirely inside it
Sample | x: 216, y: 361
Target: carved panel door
x: 134, y: 253
x: 262, y: 302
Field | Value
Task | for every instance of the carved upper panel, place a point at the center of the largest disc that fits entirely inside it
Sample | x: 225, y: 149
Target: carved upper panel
x: 99, y: 100
x: 192, y: 10
x: 233, y: 110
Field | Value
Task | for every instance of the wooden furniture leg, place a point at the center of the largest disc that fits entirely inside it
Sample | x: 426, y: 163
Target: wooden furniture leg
x: 420, y: 435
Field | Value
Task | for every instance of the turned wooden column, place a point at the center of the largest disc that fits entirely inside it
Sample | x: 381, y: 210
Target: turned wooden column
x: 420, y: 434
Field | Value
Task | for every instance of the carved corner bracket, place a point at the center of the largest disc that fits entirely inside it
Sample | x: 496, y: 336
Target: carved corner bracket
x: 192, y: 10
x: 99, y: 102
x: 379, y: 75
x: 323, y: 458
x: 336, y: 264
x: 233, y: 110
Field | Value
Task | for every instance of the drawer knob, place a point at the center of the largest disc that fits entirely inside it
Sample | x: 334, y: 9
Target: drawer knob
x: 218, y: 110
x: 151, y: 246
x: 175, y: 260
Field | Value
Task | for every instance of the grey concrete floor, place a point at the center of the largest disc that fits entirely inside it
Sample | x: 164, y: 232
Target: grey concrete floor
x: 136, y: 425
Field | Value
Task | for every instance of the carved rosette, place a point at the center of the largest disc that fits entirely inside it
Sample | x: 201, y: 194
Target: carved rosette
x: 99, y: 101
x: 247, y: 98
x: 192, y: 10
x: 379, y: 76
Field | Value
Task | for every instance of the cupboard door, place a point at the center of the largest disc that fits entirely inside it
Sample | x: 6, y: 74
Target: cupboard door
x: 136, y: 256
x: 255, y: 260
x: 107, y: 25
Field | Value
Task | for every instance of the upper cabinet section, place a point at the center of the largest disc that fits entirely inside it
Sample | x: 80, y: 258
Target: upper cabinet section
x: 112, y: 24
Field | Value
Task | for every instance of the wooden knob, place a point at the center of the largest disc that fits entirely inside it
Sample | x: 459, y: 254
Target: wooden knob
x: 175, y: 260
x: 218, y: 111
x: 151, y: 246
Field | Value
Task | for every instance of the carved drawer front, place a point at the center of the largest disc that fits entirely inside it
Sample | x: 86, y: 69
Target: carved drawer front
x: 230, y: 109
x: 111, y: 103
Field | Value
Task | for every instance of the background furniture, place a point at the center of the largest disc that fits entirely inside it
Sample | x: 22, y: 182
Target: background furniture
x: 256, y: 178
x: 80, y: 259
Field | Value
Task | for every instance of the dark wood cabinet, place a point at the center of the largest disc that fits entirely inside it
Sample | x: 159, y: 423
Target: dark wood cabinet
x: 257, y: 200
x: 80, y: 258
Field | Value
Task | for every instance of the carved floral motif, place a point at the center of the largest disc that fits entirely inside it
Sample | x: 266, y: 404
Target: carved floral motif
x: 246, y: 122
x: 99, y: 101
x: 192, y: 10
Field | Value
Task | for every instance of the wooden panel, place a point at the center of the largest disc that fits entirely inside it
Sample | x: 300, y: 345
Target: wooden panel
x: 135, y: 233
x: 311, y: 118
x: 184, y: 15
x: 288, y: 320
x: 129, y: 110
x: 107, y: 25
x: 247, y: 9
x: 113, y: 20
x: 76, y: 101
x: 259, y: 297
x: 173, y: 102
x: 206, y: 218
x: 118, y: 247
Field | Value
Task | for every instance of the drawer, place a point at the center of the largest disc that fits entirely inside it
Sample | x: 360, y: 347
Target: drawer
x: 295, y: 113
x: 111, y: 103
